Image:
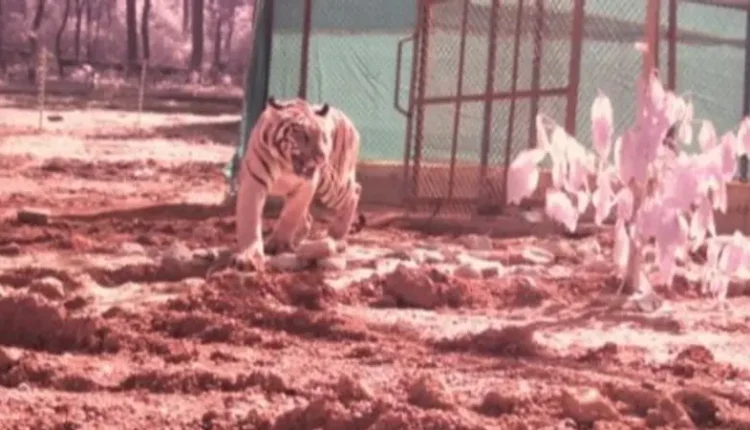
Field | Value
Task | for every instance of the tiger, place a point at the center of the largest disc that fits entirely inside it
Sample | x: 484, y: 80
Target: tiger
x: 304, y: 153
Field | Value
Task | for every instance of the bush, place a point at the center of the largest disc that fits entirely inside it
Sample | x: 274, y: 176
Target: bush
x: 663, y: 198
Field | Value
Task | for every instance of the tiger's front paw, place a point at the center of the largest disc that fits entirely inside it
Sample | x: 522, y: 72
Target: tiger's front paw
x: 251, y: 258
x: 278, y: 245
x: 359, y: 224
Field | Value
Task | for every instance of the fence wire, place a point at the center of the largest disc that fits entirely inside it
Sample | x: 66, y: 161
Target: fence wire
x: 360, y: 57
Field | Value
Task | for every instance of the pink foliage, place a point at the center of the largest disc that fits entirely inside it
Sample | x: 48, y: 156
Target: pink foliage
x: 662, y: 198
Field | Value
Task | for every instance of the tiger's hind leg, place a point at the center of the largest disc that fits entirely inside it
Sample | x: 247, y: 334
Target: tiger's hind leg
x: 292, y: 221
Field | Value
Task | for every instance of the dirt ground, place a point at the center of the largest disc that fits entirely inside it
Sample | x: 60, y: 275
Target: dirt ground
x: 117, y: 316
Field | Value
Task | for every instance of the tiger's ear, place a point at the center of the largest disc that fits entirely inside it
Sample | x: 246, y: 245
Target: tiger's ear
x: 274, y: 104
x: 323, y: 111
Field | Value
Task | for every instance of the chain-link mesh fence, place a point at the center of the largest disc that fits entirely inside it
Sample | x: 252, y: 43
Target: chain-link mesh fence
x: 488, y: 67
x: 710, y: 57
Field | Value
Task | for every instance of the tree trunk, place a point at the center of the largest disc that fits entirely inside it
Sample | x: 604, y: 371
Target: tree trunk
x: 196, y: 59
x: 77, y: 35
x: 185, y: 16
x: 101, y: 5
x: 2, y: 42
x: 230, y: 29
x: 34, y: 40
x: 217, y: 41
x: 111, y: 6
x: 132, y: 42
x: 144, y: 31
x: 58, y: 37
x: 89, y: 24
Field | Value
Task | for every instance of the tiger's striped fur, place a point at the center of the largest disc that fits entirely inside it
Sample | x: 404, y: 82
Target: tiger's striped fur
x: 303, y: 153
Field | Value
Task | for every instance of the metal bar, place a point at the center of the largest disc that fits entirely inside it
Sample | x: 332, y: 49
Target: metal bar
x: 416, y: 34
x: 269, y: 48
x: 574, y: 68
x: 459, y: 93
x: 499, y: 95
x: 513, y: 88
x: 305, y: 50
x: 657, y: 39
x: 397, y: 86
x: 536, y: 69
x: 424, y: 50
x: 730, y: 4
x: 489, y: 88
x: 672, y: 46
x: 650, y: 35
x: 746, y: 94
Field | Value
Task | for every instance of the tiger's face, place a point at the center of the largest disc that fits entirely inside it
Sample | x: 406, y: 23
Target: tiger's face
x: 304, y: 137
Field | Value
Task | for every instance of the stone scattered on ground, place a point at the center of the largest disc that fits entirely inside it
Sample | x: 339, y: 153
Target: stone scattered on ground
x: 34, y: 216
x: 286, y: 262
x: 9, y: 357
x: 10, y: 249
x: 477, y: 242
x: 428, y: 392
x: 315, y: 250
x: 587, y: 405
x: 49, y: 287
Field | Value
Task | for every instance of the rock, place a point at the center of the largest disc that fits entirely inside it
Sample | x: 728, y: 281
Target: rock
x: 10, y: 249
x: 536, y: 255
x: 399, y: 254
x: 669, y: 413
x: 476, y: 242
x: 177, y: 255
x: 192, y: 283
x: 361, y: 255
x: 388, y: 265
x: 490, y: 271
x: 473, y: 268
x: 49, y: 287
x: 132, y: 248
x: 349, y: 389
x: 430, y: 393
x: 587, y: 406
x: 9, y: 357
x: 34, y: 216
x: 335, y: 263
x: 433, y: 257
x: 638, y: 398
x: 317, y: 249
x: 562, y: 249
x: 468, y: 271
x: 701, y: 407
x: 413, y: 287
x: 497, y: 403
x: 77, y: 303
x: 286, y: 262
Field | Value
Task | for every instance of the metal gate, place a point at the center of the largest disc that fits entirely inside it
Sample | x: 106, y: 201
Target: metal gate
x: 481, y: 70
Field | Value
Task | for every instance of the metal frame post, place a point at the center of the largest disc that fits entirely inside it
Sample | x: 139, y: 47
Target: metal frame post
x: 746, y: 94
x: 305, y: 50
x: 574, y: 69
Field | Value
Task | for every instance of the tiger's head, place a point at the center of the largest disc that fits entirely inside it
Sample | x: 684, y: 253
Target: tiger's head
x: 303, y: 135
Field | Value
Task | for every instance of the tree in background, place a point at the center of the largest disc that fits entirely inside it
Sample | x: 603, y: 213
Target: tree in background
x: 196, y: 58
x: 34, y: 39
x: 132, y: 35
x: 231, y: 11
x: 145, y: 15
x: 185, y: 16
x: 59, y: 35
x: 222, y: 12
x: 80, y: 6
x: 2, y: 43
